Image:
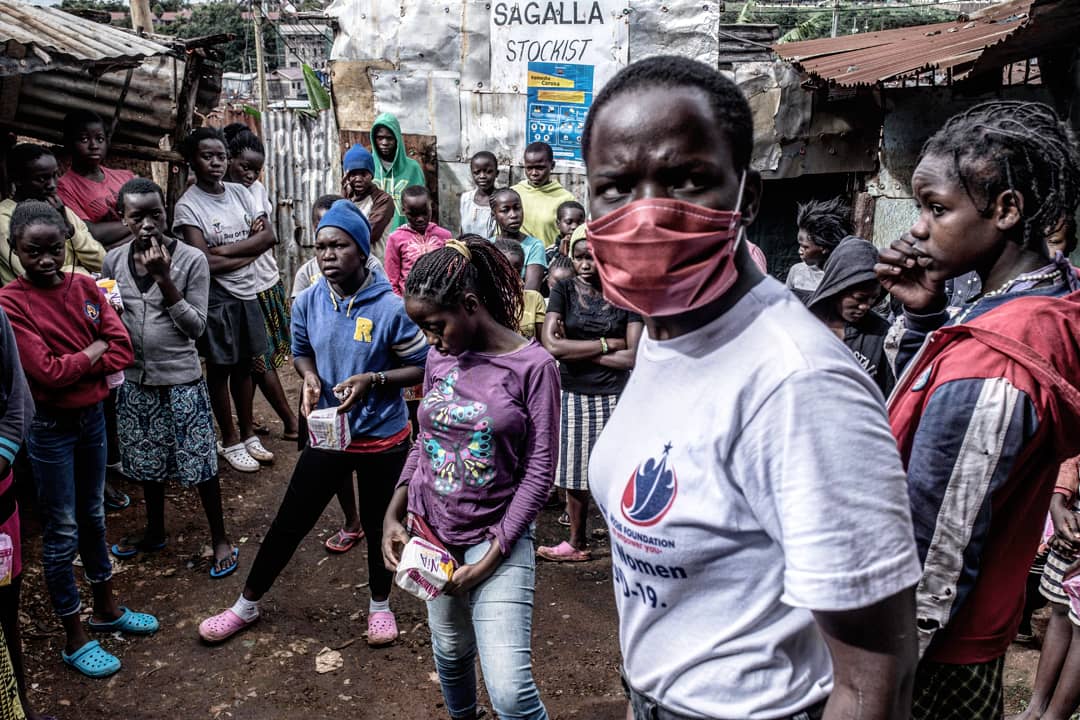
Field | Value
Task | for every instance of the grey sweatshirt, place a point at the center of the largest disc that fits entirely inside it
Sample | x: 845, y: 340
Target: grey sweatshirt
x: 163, y: 337
x: 16, y: 403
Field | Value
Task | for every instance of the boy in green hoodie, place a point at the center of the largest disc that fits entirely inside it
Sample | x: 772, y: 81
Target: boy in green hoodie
x: 540, y: 195
x: 394, y: 169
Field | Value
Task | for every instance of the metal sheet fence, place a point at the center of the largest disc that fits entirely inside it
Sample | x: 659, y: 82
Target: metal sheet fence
x: 303, y: 162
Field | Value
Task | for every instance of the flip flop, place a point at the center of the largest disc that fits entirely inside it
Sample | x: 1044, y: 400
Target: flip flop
x: 217, y: 575
x: 564, y: 552
x: 136, y: 548
x: 221, y: 627
x: 130, y: 622
x: 290, y: 436
x: 381, y: 629
x: 117, y: 502
x: 343, y: 541
x: 92, y: 660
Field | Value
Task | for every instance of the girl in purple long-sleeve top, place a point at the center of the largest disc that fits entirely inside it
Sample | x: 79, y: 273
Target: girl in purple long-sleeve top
x: 480, y: 471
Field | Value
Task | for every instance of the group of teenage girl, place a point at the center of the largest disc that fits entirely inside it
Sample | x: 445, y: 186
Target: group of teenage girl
x: 767, y: 597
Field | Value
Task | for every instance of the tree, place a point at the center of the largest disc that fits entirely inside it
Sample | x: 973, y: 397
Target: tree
x: 809, y: 23
x: 214, y: 18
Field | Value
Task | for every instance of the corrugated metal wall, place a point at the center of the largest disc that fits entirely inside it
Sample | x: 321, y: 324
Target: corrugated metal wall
x: 303, y: 161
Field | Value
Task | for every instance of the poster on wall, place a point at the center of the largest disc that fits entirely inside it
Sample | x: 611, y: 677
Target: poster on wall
x: 593, y: 33
x: 559, y: 97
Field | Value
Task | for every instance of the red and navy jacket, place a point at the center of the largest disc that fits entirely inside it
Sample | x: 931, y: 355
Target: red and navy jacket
x: 984, y: 414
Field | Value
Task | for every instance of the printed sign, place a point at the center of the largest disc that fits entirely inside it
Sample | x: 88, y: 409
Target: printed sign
x: 579, y: 32
x: 559, y: 97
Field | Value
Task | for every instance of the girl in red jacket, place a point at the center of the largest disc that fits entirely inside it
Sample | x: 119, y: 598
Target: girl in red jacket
x: 69, y: 339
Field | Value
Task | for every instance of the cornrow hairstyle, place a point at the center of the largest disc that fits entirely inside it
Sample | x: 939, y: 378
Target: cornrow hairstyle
x: 34, y: 212
x: 484, y: 155
x: 561, y: 262
x: 415, y: 191
x: 20, y: 157
x: 499, y: 192
x: 190, y: 145
x: 137, y: 186
x: 1013, y: 146
x: 540, y: 147
x: 669, y: 71
x: 569, y: 205
x: 233, y: 129
x: 826, y: 222
x: 242, y: 140
x: 445, y: 275
x: 510, y: 248
x: 78, y: 120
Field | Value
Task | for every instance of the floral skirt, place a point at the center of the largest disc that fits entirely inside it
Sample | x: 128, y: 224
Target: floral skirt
x: 166, y: 432
x: 276, y: 318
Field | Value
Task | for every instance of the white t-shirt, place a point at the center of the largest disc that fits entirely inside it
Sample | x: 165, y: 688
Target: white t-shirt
x: 223, y: 219
x: 747, y: 476
x: 476, y: 219
x: 267, y: 274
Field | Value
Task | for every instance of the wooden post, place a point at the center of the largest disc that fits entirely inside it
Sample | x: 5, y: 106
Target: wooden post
x: 260, y: 61
x: 142, y: 21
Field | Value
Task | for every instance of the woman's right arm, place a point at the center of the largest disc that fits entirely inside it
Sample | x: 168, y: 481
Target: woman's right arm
x: 563, y: 349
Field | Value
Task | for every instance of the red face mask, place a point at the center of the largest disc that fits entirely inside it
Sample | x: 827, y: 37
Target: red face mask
x: 666, y: 257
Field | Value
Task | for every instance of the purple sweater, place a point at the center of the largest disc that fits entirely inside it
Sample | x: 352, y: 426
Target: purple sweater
x: 484, y: 462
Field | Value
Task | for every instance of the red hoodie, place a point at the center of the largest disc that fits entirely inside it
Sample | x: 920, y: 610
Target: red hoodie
x: 52, y: 326
x: 978, y: 521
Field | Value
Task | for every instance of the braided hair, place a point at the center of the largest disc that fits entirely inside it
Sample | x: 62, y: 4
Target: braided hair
x: 825, y: 222
x: 189, y: 146
x: 239, y: 139
x: 561, y: 262
x: 34, y: 212
x: 1022, y: 147
x: 444, y: 276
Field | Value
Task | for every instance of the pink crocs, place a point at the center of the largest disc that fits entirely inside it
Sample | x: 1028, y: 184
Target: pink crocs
x: 223, y: 626
x: 381, y: 629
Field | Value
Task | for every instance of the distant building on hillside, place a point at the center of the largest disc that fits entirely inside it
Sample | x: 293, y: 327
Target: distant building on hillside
x: 305, y: 43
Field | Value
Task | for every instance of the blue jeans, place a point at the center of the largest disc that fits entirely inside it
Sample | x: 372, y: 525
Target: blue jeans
x: 67, y: 449
x: 496, y: 620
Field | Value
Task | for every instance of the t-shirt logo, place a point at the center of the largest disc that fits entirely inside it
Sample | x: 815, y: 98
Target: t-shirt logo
x: 93, y: 312
x: 650, y: 492
x: 363, y: 330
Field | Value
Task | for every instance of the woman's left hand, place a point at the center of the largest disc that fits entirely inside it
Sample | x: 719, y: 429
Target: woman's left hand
x: 466, y: 577
x: 352, y: 391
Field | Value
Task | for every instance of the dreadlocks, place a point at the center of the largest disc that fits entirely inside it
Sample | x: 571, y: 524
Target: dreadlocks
x: 445, y: 275
x: 826, y: 223
x: 1013, y: 146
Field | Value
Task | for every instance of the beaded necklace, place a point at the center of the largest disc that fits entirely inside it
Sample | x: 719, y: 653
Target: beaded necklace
x: 1033, y: 278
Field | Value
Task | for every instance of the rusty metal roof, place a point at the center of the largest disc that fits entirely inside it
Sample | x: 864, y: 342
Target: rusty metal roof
x: 1003, y: 34
x: 36, y: 38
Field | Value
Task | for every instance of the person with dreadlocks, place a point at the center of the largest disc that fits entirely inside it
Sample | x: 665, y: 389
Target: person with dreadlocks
x: 355, y: 349
x: 986, y: 409
x: 480, y: 472
x: 822, y: 225
x: 69, y: 340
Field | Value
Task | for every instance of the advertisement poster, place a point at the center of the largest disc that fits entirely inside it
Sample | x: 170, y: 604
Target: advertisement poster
x: 559, y: 97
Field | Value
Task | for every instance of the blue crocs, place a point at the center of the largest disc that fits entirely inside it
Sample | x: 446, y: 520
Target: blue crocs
x: 92, y: 660
x: 130, y: 622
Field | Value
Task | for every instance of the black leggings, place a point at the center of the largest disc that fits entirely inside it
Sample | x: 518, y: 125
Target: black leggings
x: 315, y: 480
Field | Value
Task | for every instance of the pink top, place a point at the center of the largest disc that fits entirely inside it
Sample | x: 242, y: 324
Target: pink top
x: 92, y: 201
x: 405, y: 246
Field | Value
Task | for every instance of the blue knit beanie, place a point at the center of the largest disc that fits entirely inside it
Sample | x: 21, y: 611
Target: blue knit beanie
x: 344, y: 215
x: 358, y: 158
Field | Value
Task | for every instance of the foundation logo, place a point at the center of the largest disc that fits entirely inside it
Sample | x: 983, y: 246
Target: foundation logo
x: 92, y: 311
x: 650, y: 492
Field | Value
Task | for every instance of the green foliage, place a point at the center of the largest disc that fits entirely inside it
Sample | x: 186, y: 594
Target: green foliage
x: 318, y: 96
x: 808, y: 23
x: 213, y: 18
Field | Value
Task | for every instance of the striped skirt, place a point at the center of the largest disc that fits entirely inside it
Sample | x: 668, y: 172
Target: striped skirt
x: 583, y: 418
x: 276, y: 320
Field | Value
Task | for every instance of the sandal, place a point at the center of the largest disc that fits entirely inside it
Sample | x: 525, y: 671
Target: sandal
x: 563, y: 552
x: 116, y: 500
x: 259, y: 429
x: 130, y: 622
x: 290, y: 436
x: 92, y: 660
x: 256, y: 450
x: 237, y: 456
x: 216, y: 574
x: 381, y: 629
x: 127, y: 549
x: 221, y: 627
x: 343, y: 540
x: 564, y: 519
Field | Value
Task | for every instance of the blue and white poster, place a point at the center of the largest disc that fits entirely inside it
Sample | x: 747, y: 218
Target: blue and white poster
x: 559, y: 97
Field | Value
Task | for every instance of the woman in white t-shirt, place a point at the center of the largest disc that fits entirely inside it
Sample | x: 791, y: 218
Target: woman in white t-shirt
x: 222, y: 220
x: 762, y: 548
x: 246, y: 159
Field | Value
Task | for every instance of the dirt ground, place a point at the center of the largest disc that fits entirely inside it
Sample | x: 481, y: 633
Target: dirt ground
x: 320, y: 601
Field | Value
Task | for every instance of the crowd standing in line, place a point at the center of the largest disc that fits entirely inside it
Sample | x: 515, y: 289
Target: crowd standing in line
x: 738, y: 437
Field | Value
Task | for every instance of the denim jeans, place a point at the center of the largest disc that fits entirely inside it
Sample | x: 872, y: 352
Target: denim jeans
x: 67, y: 449
x: 496, y: 620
